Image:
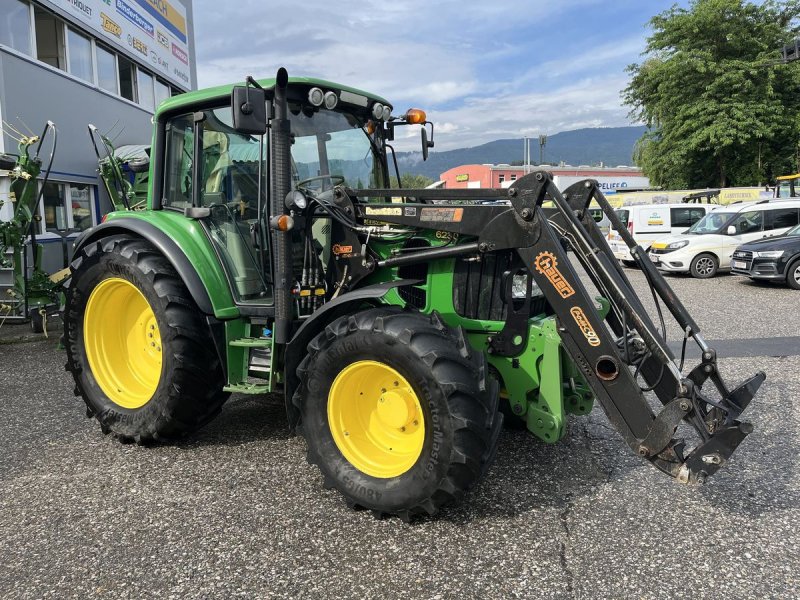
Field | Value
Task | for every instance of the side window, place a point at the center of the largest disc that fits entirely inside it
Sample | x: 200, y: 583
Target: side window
x: 783, y: 218
x: 681, y: 217
x: 695, y: 214
x: 178, y: 163
x: 749, y: 222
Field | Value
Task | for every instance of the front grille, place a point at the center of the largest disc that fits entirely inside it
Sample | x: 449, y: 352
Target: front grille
x: 661, y: 250
x: 477, y: 287
x: 743, y: 255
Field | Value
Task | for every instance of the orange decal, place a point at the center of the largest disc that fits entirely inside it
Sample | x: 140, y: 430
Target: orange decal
x: 586, y: 327
x: 337, y: 249
x: 547, y: 265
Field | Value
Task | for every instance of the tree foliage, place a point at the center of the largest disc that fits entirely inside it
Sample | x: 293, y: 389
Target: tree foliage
x: 721, y: 106
x: 411, y: 182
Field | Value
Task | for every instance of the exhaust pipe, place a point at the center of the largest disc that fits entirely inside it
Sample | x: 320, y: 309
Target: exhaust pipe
x: 281, y: 185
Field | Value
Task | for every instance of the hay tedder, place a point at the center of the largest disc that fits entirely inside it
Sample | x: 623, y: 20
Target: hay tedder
x: 399, y: 325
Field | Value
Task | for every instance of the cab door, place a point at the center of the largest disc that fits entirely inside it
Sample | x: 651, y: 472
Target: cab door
x: 204, y: 151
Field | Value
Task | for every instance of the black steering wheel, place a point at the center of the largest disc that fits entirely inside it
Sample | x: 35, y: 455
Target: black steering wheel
x: 335, y: 180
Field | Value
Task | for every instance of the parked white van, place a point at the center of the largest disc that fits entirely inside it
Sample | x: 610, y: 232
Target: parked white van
x: 648, y: 223
x: 708, y: 245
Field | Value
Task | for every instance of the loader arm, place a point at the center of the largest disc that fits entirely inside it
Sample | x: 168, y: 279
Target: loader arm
x: 621, y: 353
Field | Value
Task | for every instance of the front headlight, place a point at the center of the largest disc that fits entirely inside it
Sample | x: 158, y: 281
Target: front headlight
x: 768, y: 254
x: 677, y: 245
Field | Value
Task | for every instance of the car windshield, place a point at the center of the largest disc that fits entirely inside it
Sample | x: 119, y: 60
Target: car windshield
x: 794, y: 230
x: 711, y: 223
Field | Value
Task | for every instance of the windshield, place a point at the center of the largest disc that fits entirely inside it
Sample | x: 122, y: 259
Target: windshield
x: 794, y: 230
x: 711, y: 223
x: 332, y: 146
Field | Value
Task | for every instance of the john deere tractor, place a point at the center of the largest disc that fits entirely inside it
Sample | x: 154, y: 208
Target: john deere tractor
x: 399, y: 325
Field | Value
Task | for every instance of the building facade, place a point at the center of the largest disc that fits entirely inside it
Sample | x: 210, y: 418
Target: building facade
x: 75, y: 62
x: 610, y: 179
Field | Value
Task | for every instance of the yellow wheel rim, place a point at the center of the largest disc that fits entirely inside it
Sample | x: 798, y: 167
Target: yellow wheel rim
x: 123, y: 342
x: 376, y: 419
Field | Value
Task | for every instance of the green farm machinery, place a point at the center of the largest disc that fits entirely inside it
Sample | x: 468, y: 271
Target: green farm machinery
x: 28, y: 291
x: 400, y: 326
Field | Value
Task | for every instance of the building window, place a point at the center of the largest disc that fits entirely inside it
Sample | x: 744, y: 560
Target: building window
x: 162, y: 91
x: 49, y: 39
x: 79, y: 48
x: 107, y: 70
x: 513, y: 177
x: 80, y: 203
x: 127, y: 79
x: 15, y: 25
x: 55, y: 207
x: 145, y: 87
x: 502, y: 178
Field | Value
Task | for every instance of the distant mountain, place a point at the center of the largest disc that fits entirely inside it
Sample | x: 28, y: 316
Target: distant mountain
x: 610, y: 145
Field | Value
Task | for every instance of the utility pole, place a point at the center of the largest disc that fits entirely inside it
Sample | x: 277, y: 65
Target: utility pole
x: 542, y: 144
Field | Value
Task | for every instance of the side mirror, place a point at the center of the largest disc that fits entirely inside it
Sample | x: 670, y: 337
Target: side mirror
x: 249, y: 107
x: 425, y: 143
x: 731, y: 230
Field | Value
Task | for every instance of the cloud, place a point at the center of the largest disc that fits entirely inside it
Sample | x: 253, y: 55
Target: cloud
x: 483, y: 71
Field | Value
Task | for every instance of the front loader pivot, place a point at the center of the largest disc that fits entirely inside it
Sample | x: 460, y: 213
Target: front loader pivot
x: 615, y: 351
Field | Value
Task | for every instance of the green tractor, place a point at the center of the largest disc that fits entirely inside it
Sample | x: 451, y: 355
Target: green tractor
x: 400, y: 326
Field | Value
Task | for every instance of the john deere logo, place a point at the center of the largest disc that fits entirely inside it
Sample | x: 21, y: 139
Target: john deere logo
x: 547, y: 265
x: 586, y: 327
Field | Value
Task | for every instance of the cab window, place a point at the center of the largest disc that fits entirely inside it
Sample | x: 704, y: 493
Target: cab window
x: 686, y: 216
x: 783, y: 218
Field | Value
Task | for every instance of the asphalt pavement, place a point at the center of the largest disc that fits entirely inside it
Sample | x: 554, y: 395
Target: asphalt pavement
x: 236, y: 512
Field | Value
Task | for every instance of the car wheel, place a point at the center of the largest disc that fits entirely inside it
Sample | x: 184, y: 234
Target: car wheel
x: 793, y: 275
x: 704, y: 266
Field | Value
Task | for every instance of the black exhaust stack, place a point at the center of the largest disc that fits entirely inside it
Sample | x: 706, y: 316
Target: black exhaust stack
x: 281, y: 185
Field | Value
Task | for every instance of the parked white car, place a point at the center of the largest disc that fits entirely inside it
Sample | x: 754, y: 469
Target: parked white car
x: 708, y: 245
x: 648, y: 223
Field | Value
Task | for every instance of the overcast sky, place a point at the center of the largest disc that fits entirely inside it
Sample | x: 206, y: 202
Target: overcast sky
x: 483, y: 71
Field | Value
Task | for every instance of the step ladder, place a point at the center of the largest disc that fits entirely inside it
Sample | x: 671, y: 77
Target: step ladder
x: 259, y: 365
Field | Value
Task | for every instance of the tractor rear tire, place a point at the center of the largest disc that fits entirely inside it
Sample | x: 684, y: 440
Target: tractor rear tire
x: 397, y: 411
x: 138, y: 347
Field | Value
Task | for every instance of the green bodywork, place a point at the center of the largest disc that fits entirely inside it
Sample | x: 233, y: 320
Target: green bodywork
x: 33, y: 290
x: 541, y: 385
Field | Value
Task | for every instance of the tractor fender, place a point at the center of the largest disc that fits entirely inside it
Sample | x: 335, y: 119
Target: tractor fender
x: 344, y: 304
x: 164, y: 244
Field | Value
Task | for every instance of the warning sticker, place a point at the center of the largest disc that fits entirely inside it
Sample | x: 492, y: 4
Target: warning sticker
x: 384, y: 211
x: 442, y: 215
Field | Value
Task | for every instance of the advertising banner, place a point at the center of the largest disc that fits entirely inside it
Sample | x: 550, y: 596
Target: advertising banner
x: 153, y: 30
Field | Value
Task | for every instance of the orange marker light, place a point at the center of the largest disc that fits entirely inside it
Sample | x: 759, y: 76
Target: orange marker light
x: 282, y: 222
x: 416, y: 116
x: 370, y: 127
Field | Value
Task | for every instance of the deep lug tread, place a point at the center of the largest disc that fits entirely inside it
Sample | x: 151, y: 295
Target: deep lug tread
x: 194, y: 395
x: 461, y: 375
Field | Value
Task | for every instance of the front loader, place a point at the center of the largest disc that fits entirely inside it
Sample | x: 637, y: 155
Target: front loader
x: 400, y: 326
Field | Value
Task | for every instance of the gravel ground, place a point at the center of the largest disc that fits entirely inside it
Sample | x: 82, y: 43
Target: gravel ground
x: 237, y: 512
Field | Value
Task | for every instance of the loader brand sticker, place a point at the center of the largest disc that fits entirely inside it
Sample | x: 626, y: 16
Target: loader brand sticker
x: 110, y: 25
x: 339, y: 249
x: 443, y: 215
x: 586, y: 327
x: 384, y: 211
x: 547, y: 265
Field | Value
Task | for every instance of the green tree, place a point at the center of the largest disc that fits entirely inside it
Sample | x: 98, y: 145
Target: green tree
x: 409, y: 181
x: 721, y: 106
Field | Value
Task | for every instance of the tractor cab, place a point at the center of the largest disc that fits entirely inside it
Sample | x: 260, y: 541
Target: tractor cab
x: 788, y: 186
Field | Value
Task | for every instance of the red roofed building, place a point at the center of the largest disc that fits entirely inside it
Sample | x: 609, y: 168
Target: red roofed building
x: 493, y: 176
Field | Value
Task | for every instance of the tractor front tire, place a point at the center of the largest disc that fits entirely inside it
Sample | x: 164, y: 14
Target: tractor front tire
x: 138, y: 347
x: 397, y: 411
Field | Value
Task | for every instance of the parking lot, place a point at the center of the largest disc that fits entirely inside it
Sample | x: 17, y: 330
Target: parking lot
x: 236, y: 512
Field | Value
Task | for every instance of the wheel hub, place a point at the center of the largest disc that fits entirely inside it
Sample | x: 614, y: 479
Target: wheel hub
x: 376, y: 419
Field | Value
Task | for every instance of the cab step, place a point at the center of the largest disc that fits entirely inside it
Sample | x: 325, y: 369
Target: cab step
x: 249, y: 342
x: 247, y: 388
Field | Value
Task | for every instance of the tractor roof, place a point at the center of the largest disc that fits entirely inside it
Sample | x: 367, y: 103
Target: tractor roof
x: 224, y: 91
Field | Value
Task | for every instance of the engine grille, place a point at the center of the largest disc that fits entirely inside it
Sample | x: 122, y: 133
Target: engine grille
x: 477, y: 287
